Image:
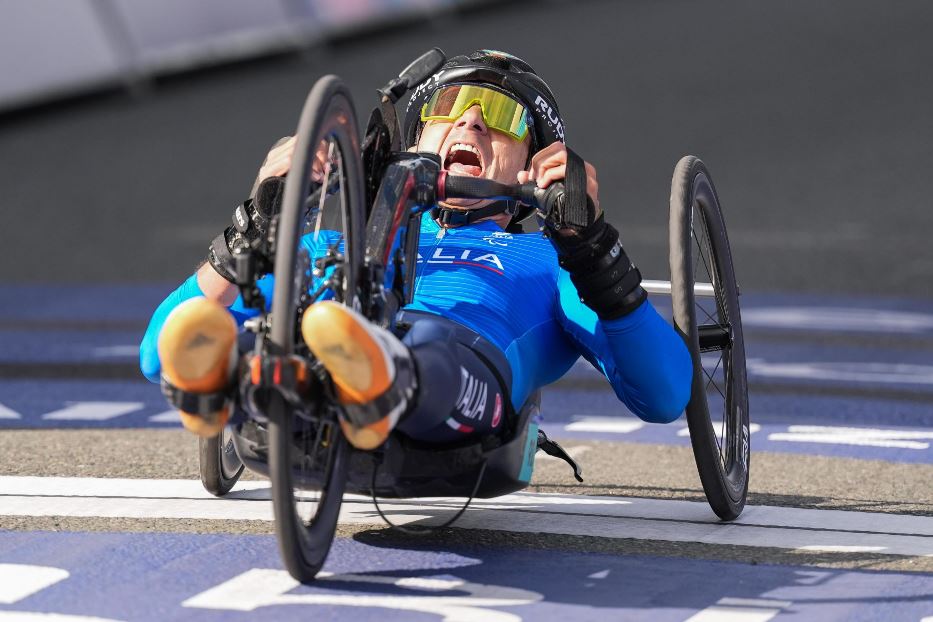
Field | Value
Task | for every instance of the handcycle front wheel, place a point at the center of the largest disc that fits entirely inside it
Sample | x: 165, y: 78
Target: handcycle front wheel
x: 707, y: 316
x: 318, y: 249
x: 218, y: 463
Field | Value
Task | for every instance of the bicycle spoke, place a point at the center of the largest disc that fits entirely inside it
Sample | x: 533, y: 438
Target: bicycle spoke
x: 711, y: 381
x: 705, y: 265
x: 715, y: 386
x: 706, y: 313
x: 715, y: 369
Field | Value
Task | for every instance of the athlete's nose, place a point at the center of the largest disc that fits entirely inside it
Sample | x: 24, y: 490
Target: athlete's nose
x: 472, y: 118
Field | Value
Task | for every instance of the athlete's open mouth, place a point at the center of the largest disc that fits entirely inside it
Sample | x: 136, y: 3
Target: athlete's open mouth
x: 463, y: 159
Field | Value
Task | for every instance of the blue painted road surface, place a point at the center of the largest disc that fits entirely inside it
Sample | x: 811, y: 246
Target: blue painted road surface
x: 228, y: 578
x: 865, y: 394
x: 867, y: 429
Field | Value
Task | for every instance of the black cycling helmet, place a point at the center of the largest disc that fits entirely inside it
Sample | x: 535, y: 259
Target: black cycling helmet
x: 501, y: 71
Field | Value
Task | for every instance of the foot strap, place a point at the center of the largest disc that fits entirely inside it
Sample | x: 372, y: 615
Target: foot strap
x: 194, y: 403
x: 551, y: 448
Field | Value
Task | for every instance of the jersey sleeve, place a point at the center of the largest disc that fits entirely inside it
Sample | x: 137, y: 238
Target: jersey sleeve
x: 148, y: 349
x: 644, y: 359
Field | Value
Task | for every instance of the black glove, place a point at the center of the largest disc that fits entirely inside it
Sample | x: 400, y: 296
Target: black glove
x: 250, y: 223
x: 567, y: 204
x: 606, y: 279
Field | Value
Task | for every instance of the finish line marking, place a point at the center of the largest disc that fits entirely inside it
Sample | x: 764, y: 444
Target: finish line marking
x: 604, y: 517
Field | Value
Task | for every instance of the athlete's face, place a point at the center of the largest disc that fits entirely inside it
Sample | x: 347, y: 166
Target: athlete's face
x: 468, y: 147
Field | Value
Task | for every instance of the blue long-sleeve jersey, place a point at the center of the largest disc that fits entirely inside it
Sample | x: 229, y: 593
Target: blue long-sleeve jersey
x: 510, y: 289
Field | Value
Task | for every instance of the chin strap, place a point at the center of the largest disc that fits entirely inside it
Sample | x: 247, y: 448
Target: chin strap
x: 449, y: 217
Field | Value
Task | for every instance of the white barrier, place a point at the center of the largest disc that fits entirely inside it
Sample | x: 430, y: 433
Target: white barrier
x: 50, y: 48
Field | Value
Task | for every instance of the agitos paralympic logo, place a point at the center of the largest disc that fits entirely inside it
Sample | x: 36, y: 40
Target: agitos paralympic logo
x: 464, y: 257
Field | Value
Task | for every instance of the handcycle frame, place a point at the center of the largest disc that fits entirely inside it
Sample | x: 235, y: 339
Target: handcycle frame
x: 397, y: 189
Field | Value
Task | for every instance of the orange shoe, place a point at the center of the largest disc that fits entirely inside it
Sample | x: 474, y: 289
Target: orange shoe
x: 371, y: 369
x: 197, y: 349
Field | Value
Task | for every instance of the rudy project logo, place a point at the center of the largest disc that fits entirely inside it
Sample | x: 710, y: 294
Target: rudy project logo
x: 551, y: 116
x: 427, y: 84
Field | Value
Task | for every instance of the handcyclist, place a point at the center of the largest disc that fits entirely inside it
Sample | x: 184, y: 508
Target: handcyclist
x: 496, y: 313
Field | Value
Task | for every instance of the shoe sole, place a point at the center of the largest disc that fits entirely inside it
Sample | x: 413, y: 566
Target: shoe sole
x: 195, y: 349
x: 358, y: 365
x: 339, y: 338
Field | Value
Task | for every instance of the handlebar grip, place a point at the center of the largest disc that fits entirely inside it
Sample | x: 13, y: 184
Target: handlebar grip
x: 464, y: 187
x: 548, y: 200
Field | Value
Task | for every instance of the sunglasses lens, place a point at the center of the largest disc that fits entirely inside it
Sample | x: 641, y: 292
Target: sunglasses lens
x: 500, y: 112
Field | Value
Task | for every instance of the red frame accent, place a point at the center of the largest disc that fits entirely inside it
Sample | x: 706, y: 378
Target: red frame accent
x: 442, y: 185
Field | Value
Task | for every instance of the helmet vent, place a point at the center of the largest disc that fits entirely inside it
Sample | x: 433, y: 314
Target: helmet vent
x: 494, y: 61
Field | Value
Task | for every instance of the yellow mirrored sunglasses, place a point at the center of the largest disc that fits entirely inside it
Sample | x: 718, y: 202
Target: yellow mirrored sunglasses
x: 500, y: 112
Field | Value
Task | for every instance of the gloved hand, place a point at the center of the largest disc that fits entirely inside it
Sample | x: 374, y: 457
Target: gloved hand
x: 251, y: 218
x: 250, y: 223
x: 575, y: 210
x: 588, y: 247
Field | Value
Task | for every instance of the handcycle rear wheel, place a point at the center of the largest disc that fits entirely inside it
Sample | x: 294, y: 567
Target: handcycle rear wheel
x: 302, y: 448
x: 218, y: 463
x: 717, y: 413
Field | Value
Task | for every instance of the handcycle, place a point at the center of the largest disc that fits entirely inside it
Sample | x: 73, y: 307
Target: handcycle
x: 352, y: 236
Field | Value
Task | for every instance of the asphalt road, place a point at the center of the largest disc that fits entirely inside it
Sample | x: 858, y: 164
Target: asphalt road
x: 813, y: 118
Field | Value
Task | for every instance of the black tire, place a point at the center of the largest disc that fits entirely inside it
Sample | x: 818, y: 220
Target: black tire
x: 218, y: 463
x: 328, y: 115
x: 698, y: 242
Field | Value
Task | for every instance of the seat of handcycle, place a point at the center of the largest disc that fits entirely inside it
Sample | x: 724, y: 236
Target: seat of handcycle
x: 491, y: 466
x: 500, y: 463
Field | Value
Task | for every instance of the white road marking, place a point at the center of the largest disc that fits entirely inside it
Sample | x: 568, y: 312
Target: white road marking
x: 19, y: 581
x: 838, y: 319
x: 169, y: 416
x: 877, y: 373
x: 605, y: 517
x: 93, y: 411
x: 9, y: 413
x: 28, y: 616
x: 115, y: 351
x: 740, y: 610
x: 602, y: 574
x: 834, y: 548
x: 752, y: 428
x: 469, y: 602
x: 616, y: 425
x: 868, y: 437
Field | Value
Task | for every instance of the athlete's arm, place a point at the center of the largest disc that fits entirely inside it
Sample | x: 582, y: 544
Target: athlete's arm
x: 213, y: 279
x: 645, y: 361
x: 148, y: 349
x: 604, y: 309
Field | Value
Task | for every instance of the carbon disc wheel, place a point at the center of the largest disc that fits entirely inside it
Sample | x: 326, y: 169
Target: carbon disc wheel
x: 705, y: 300
x: 319, y: 248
